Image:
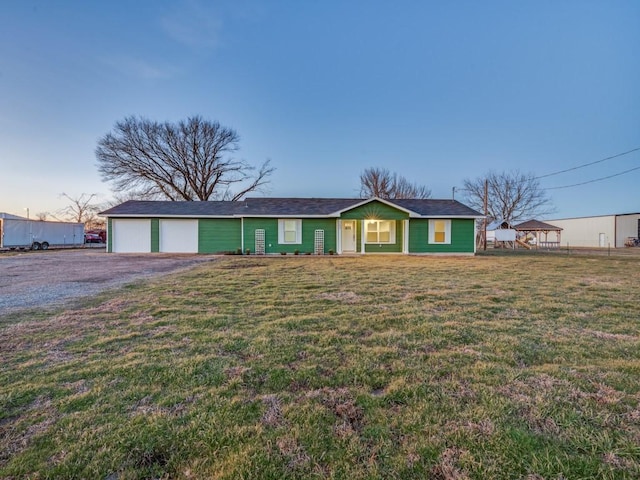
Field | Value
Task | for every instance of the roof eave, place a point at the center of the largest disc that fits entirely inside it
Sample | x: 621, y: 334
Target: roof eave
x: 275, y: 215
x: 156, y: 215
x: 453, y: 216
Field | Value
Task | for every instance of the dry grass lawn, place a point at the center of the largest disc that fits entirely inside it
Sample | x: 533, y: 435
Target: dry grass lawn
x: 522, y: 366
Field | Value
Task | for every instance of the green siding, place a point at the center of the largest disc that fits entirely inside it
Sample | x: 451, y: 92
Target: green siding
x: 309, y: 226
x: 218, y: 235
x: 109, y: 235
x: 387, y: 247
x: 270, y: 226
x: 375, y: 210
x: 462, y: 237
x: 155, y: 235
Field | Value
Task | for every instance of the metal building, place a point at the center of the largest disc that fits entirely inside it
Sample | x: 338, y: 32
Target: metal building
x: 599, y: 231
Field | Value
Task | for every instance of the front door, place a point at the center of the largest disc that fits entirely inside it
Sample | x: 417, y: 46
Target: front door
x: 348, y: 236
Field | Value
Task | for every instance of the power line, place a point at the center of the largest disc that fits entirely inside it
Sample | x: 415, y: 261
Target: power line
x: 595, y: 180
x: 587, y: 165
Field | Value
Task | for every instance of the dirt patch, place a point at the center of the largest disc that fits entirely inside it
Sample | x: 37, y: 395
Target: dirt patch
x: 344, y: 297
x: 447, y: 467
x: 53, y: 278
x: 597, y: 334
x: 341, y: 403
x: 293, y: 452
x: 273, y: 413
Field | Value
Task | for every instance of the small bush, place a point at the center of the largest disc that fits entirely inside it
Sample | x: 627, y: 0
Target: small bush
x: 283, y: 253
x: 247, y: 251
x: 296, y: 252
x: 238, y: 251
x: 330, y: 252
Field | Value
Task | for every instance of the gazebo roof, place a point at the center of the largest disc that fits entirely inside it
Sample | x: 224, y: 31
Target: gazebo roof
x: 536, y: 226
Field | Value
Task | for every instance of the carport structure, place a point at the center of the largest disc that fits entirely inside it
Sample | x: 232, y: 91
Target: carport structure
x: 535, y: 228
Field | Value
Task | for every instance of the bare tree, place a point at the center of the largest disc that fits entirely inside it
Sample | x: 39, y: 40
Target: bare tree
x: 42, y: 216
x: 511, y: 196
x: 381, y: 183
x: 190, y: 160
x: 120, y: 197
x: 81, y: 209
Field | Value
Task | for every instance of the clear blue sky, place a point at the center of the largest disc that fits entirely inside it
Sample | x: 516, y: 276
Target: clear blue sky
x: 436, y: 91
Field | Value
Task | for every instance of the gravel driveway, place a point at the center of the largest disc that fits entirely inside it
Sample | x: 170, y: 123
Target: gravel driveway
x: 52, y: 278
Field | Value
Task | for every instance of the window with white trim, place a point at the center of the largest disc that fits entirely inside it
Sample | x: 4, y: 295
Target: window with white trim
x: 289, y: 231
x: 380, y: 231
x: 440, y: 231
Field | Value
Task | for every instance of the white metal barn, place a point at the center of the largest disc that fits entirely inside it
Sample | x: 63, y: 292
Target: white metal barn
x: 599, y: 231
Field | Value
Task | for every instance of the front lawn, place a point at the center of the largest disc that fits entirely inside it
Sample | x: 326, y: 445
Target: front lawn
x: 385, y: 367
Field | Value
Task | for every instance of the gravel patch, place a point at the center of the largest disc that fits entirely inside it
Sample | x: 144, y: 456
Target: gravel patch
x: 53, y: 278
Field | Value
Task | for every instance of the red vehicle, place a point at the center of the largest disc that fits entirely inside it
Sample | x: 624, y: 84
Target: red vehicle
x: 101, y: 234
x: 92, y: 238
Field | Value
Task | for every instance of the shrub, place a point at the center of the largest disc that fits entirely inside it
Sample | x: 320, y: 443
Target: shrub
x: 247, y: 251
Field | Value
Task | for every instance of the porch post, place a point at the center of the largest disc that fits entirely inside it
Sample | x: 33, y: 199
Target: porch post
x: 338, y: 236
x: 405, y: 236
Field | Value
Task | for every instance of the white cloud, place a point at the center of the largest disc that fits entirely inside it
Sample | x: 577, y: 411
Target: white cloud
x: 193, y: 24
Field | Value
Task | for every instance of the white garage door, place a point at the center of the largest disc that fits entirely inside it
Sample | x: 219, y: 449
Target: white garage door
x: 131, y: 236
x: 179, y: 236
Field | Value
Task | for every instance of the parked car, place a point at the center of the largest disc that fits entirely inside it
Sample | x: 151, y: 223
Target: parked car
x: 92, y: 238
x: 101, y: 233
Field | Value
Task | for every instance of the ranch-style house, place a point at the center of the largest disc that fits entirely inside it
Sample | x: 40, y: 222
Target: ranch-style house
x: 293, y: 225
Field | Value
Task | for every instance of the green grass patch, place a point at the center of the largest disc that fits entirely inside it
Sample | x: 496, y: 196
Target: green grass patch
x: 495, y: 366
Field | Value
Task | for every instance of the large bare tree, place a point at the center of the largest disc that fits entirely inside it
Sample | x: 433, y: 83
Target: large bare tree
x: 381, y: 183
x: 81, y: 208
x: 189, y: 160
x: 511, y: 196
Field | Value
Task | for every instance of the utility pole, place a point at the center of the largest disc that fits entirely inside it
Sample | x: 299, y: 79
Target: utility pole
x: 453, y: 193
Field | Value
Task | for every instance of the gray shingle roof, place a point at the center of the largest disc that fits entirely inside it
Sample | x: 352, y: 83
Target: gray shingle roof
x: 169, y: 208
x: 439, y: 208
x: 297, y: 206
x: 281, y: 207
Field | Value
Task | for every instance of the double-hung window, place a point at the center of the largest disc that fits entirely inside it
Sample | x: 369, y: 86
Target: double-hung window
x: 289, y: 231
x: 380, y: 231
x: 440, y: 231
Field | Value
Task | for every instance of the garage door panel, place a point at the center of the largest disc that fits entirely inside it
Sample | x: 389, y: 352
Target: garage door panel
x: 179, y: 236
x: 131, y: 235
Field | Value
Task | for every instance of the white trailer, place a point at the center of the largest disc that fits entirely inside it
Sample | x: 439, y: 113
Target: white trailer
x: 23, y: 233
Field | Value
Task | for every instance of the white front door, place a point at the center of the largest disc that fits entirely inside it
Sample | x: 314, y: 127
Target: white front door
x: 348, y: 235
x: 602, y: 240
